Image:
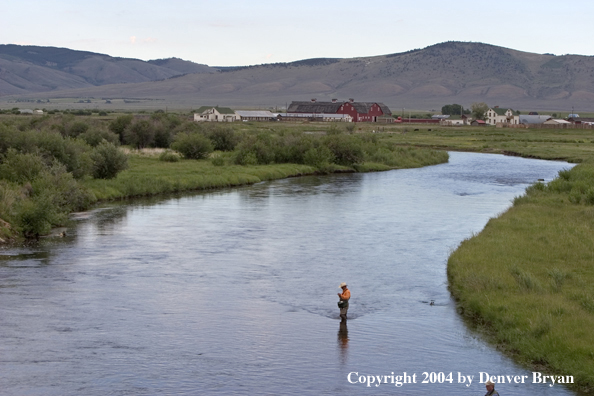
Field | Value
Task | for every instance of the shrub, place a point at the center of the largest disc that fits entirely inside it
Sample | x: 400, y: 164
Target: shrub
x: 246, y: 158
x: 108, y: 161
x: 119, y: 125
x: 192, y: 145
x: 76, y: 128
x: 319, y: 157
x: 96, y: 136
x: 62, y: 189
x: 35, y: 217
x: 333, y: 130
x: 168, y: 156
x: 139, y: 134
x: 223, y: 138
x: 20, y: 168
x: 347, y: 149
x: 218, y: 161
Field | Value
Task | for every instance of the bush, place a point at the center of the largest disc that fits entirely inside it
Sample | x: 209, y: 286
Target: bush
x: 96, y: 136
x: 76, y: 128
x: 246, y: 158
x: 218, y: 161
x: 108, y: 161
x: 223, y: 138
x: 260, y: 147
x: 35, y: 217
x: 20, y: 168
x: 319, y: 157
x: 168, y: 156
x: 192, y: 145
x: 119, y: 125
x: 139, y: 134
x: 347, y: 149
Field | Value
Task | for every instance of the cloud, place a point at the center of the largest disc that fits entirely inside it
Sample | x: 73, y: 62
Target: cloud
x: 133, y: 39
x: 268, y: 56
x: 150, y: 40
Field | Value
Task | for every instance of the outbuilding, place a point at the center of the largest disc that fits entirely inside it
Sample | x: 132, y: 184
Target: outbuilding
x: 255, y: 115
x: 359, y: 111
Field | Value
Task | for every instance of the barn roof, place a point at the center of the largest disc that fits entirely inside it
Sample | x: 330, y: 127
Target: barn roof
x: 254, y: 113
x: 313, y: 107
x: 332, y: 107
x: 221, y: 110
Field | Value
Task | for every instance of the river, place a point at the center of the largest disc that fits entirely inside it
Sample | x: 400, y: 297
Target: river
x: 233, y: 292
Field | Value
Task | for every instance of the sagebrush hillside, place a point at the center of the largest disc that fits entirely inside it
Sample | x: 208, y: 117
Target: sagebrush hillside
x: 26, y: 69
x: 451, y: 72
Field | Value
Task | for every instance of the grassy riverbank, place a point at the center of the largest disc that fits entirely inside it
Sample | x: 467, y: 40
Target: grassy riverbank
x: 147, y: 175
x: 527, y: 280
x: 53, y: 165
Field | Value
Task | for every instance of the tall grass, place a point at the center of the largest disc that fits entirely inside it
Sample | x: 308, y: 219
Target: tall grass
x: 527, y: 280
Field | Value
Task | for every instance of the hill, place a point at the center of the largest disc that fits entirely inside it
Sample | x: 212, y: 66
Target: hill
x: 426, y: 78
x: 27, y: 69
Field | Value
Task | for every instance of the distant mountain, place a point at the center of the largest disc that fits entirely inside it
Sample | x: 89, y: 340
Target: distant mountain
x: 25, y: 69
x: 451, y: 72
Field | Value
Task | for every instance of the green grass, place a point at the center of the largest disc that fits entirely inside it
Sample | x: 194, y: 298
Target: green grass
x: 526, y: 281
x: 150, y: 176
x: 572, y: 145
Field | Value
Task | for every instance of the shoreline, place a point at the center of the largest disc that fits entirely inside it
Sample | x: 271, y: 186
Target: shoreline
x: 524, y: 282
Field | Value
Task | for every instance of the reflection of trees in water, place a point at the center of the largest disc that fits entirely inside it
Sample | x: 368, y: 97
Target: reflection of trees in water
x: 107, y: 220
x: 26, y: 259
x: 343, y: 341
x: 335, y: 184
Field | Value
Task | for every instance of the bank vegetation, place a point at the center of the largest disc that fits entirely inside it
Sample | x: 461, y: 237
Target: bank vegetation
x: 53, y: 165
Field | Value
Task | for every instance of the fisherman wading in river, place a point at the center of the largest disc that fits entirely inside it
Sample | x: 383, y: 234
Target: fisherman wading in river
x: 343, y: 304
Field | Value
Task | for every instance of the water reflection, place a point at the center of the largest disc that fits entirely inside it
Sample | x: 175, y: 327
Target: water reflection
x: 343, y: 341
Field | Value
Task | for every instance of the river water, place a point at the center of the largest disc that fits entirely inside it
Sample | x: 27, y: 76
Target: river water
x: 234, y: 291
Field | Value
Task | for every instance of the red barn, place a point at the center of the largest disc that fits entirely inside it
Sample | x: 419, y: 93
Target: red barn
x: 360, y: 111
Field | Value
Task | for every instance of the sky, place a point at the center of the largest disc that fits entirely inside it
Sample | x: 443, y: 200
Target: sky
x: 238, y: 33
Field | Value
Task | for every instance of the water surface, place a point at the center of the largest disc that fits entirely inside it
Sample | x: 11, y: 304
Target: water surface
x: 234, y: 291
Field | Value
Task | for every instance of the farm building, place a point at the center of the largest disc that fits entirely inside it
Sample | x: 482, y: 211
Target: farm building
x: 498, y: 115
x: 322, y: 117
x: 534, y: 119
x: 580, y: 120
x: 478, y: 123
x: 215, y: 114
x: 359, y: 111
x: 255, y: 115
x: 554, y: 121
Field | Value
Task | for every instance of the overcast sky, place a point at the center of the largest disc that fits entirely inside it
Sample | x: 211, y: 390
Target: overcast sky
x: 231, y: 32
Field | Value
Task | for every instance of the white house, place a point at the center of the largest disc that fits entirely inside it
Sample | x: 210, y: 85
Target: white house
x: 497, y: 115
x: 215, y: 114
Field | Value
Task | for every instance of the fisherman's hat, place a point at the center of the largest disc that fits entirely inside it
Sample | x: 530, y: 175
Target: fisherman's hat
x: 489, y: 383
x: 342, y: 285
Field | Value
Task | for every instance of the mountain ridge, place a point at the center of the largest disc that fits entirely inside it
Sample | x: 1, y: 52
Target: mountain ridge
x: 460, y: 72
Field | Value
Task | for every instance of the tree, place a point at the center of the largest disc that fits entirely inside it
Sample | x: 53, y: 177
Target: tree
x: 479, y: 109
x: 453, y: 109
x: 139, y: 134
x: 119, y: 125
